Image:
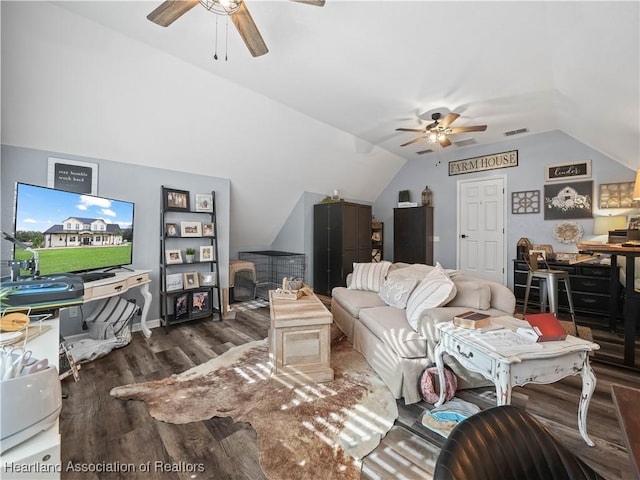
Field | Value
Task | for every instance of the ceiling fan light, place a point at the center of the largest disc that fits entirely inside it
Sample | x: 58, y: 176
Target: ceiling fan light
x: 441, y: 136
x: 433, y: 137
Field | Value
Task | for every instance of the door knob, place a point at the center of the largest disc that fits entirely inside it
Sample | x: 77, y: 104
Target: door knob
x: 463, y: 236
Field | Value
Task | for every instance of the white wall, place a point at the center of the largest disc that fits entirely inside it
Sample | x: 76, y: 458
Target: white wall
x: 70, y: 85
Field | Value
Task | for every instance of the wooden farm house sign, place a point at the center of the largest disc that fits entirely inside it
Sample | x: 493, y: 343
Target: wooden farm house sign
x: 488, y: 162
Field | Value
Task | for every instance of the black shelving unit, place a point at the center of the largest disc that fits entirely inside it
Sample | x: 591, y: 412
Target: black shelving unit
x: 190, y: 288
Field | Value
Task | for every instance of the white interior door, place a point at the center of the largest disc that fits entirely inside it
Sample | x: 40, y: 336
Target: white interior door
x: 481, y: 220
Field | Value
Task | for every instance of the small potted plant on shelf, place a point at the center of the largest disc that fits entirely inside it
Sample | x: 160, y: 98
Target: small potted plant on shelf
x: 189, y: 254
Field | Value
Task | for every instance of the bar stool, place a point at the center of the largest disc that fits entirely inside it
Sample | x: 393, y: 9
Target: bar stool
x: 548, y: 281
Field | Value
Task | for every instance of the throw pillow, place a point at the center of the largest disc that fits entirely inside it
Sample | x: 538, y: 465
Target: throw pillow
x: 395, y: 291
x: 476, y: 295
x: 369, y: 276
x: 435, y: 290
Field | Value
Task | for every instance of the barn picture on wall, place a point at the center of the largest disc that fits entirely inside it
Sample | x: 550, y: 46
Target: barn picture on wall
x: 568, y: 200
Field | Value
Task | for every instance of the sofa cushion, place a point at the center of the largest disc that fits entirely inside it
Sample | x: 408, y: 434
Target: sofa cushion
x: 369, y: 276
x: 354, y: 300
x: 417, y: 271
x: 475, y: 295
x: 435, y: 290
x: 396, y: 291
x: 390, y: 325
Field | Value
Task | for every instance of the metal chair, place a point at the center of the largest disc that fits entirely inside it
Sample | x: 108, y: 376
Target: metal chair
x: 548, y: 280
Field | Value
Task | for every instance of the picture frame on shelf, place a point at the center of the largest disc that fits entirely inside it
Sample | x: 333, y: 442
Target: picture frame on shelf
x: 190, y: 280
x: 208, y: 230
x: 191, y: 229
x: 200, y: 301
x: 174, y: 282
x: 181, y: 306
x: 172, y: 230
x: 206, y: 253
x: 207, y: 279
x: 204, y: 202
x: 175, y: 200
x: 172, y: 256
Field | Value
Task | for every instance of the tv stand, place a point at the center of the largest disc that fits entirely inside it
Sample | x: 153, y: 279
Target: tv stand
x: 117, y: 285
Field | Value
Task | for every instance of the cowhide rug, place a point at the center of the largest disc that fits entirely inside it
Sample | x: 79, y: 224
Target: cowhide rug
x: 304, y: 431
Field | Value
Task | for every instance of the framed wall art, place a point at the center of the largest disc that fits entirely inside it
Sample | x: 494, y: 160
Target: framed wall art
x: 191, y: 229
x: 177, y: 200
x: 525, y: 202
x: 564, y: 201
x: 568, y: 170
x: 72, y: 176
x: 617, y: 195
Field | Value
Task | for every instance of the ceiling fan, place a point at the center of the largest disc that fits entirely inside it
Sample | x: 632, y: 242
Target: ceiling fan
x: 170, y: 10
x: 439, y: 130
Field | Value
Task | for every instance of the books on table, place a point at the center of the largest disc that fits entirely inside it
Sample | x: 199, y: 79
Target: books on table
x: 544, y: 327
x: 472, y: 320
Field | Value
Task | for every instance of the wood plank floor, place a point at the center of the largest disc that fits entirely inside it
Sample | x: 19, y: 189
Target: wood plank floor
x: 98, y: 430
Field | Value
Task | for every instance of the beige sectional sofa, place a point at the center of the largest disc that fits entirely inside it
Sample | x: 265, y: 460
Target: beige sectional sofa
x: 398, y: 341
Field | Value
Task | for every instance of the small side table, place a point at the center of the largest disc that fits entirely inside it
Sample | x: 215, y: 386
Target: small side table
x: 547, y: 364
x: 300, y: 340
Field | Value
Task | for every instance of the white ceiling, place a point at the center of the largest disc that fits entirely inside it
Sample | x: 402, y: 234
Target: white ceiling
x: 368, y: 67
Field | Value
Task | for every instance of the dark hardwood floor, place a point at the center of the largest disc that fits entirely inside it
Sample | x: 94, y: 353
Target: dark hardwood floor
x: 99, y: 431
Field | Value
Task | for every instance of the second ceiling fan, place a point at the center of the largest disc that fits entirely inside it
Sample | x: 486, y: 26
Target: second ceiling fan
x: 439, y: 130
x: 169, y: 11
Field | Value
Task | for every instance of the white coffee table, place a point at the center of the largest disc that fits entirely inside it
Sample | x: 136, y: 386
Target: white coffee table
x: 549, y: 363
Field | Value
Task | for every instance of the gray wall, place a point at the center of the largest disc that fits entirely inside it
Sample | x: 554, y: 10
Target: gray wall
x: 121, y: 181
x: 534, y: 152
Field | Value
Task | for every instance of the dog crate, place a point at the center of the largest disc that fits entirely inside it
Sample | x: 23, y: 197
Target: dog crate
x: 271, y: 266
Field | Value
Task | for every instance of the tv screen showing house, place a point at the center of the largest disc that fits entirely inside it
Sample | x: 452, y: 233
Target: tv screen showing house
x: 72, y: 232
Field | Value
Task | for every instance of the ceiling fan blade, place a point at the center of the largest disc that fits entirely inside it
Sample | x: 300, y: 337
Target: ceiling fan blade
x: 317, y: 3
x: 168, y: 12
x: 445, y: 142
x: 419, y: 130
x: 248, y: 31
x: 431, y: 125
x: 470, y: 128
x: 412, y: 141
x: 449, y: 119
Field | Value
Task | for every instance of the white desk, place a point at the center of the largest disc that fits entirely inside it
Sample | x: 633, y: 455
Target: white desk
x: 41, y: 452
x: 123, y: 281
x: 549, y: 363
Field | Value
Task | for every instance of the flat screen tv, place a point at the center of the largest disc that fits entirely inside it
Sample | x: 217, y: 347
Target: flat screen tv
x: 72, y: 232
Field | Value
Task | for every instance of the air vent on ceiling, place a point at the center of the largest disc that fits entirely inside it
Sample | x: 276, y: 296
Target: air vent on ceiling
x: 516, y: 132
x: 421, y: 152
x: 465, y: 143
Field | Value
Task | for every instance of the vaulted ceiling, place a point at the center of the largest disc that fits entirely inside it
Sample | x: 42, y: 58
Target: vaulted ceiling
x: 319, y: 111
x: 368, y: 67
